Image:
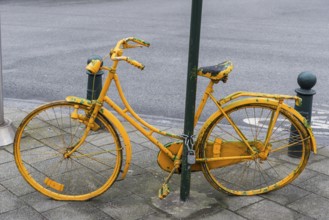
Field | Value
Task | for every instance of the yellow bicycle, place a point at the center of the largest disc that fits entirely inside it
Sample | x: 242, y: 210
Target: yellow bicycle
x: 76, y: 149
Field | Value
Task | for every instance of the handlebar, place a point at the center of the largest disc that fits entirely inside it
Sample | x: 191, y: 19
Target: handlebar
x: 116, y: 54
x: 135, y: 63
x: 138, y: 41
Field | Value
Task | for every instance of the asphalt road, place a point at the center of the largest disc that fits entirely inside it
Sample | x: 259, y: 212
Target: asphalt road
x: 46, y: 44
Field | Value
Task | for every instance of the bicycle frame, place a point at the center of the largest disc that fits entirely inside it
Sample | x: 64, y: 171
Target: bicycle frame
x: 251, y: 136
x: 138, y: 122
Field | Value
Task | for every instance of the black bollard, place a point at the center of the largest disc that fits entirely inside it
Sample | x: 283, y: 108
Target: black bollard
x: 94, y: 80
x: 306, y: 81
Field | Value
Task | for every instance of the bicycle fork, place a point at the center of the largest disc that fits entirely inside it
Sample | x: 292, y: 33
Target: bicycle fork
x: 89, y: 121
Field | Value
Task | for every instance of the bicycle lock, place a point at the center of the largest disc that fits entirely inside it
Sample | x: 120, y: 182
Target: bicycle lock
x: 306, y: 81
x: 7, y: 133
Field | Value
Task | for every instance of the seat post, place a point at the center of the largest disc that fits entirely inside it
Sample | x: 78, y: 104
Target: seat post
x: 203, y: 101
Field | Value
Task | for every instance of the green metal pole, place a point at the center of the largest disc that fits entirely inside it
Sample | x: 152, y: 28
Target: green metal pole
x: 191, y: 92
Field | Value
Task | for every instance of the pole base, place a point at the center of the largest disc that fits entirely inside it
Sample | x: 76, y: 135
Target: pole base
x: 7, y: 133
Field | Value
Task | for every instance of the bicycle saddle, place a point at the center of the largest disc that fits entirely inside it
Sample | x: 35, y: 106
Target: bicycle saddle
x: 216, y: 72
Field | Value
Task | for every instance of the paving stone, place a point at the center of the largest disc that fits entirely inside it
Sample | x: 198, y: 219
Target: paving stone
x: 200, y: 184
x: 45, y: 132
x: 116, y: 191
x: 318, y: 185
x: 18, y: 186
x: 198, y: 204
x: 286, y: 195
x: 25, y: 212
x: 306, y: 218
x: 131, y: 198
x: 146, y: 158
x: 160, y: 176
x: 135, y: 147
x: 234, y: 203
x: 145, y: 185
x: 9, y: 148
x: 10, y: 110
x: 156, y: 170
x: 157, y: 216
x: 222, y: 215
x: 42, y: 203
x: 135, y: 170
x: 128, y: 208
x: 305, y: 175
x: 312, y: 205
x: 8, y: 171
x: 320, y: 166
x: 315, y: 158
x: 16, y: 116
x: 162, y: 139
x: 161, y: 127
x: 128, y: 127
x: 39, y: 154
x: 150, y: 145
x: 27, y: 144
x: 321, y: 142
x: 5, y: 157
x: 137, y: 137
x: 76, y: 211
x: 2, y: 188
x: 101, y: 139
x: 324, y: 151
x: 16, y: 124
x: 9, y: 202
x: 268, y: 210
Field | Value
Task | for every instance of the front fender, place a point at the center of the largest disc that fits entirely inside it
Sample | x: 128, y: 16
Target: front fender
x: 117, y: 125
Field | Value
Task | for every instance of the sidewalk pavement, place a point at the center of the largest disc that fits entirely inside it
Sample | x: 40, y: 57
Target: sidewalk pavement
x: 136, y: 196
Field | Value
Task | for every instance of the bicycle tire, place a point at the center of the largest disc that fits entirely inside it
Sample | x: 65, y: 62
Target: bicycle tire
x: 47, y: 133
x: 256, y: 176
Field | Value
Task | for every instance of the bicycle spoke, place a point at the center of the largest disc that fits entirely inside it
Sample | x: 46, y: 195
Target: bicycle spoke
x: 266, y: 119
x: 226, y: 132
x: 261, y: 174
x: 87, y: 172
x: 93, y: 154
x: 252, y: 132
x: 289, y: 145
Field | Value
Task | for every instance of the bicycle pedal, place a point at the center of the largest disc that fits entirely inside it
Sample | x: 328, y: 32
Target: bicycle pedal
x: 164, y: 191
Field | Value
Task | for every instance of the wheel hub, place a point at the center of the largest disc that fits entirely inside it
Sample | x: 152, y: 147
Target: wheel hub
x: 67, y: 152
x: 261, y: 149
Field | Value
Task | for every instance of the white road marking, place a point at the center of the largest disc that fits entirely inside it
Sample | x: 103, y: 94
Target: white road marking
x: 319, y: 124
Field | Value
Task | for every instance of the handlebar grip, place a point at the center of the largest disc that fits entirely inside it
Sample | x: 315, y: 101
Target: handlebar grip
x: 135, y: 63
x: 141, y: 42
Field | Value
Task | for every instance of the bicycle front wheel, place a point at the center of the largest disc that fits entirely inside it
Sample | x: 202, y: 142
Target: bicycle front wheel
x: 48, y: 133
x: 272, y: 167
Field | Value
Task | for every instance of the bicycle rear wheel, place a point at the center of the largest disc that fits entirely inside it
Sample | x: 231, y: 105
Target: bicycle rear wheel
x: 50, y: 131
x: 258, y: 175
